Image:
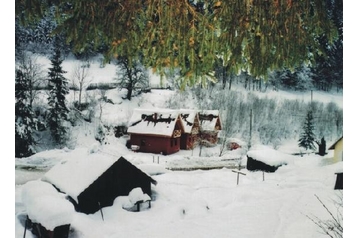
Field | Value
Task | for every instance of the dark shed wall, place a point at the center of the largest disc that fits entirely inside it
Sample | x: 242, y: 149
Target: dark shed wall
x: 118, y: 180
x: 256, y: 165
x: 339, y: 181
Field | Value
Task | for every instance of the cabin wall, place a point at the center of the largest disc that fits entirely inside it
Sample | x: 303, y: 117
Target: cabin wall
x: 338, y: 151
x: 156, y: 145
x: 188, y: 141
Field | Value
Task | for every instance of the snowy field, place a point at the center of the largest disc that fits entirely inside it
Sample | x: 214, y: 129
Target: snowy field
x: 201, y: 203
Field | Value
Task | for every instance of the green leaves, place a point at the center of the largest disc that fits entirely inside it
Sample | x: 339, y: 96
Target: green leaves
x: 248, y: 34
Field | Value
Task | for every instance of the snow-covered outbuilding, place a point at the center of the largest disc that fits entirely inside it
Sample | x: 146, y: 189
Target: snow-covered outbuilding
x: 210, y: 125
x: 95, y: 181
x: 190, y: 120
x: 155, y: 131
x: 49, y: 212
x: 263, y: 158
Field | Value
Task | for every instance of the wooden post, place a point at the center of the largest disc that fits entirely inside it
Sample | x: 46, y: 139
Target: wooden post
x: 158, y: 159
x: 250, y: 129
x: 238, y: 174
x: 153, y: 158
x: 100, y: 208
x: 27, y: 219
x: 263, y: 175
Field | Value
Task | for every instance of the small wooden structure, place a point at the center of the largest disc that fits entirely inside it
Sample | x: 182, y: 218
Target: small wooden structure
x: 256, y: 165
x: 338, y: 150
x: 210, y: 125
x: 189, y: 137
x: 94, y: 182
x: 155, y: 131
x: 339, y: 181
x: 40, y: 231
x: 49, y: 213
x: 266, y: 159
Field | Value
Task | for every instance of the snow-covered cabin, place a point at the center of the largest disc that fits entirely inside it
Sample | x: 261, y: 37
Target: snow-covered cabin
x: 264, y: 158
x: 338, y: 150
x: 210, y: 125
x: 49, y: 212
x: 155, y: 131
x: 95, y: 181
x: 190, y: 120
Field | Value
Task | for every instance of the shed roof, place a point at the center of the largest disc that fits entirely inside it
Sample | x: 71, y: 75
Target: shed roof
x: 74, y: 175
x: 77, y: 174
x: 335, y: 143
x: 159, y: 122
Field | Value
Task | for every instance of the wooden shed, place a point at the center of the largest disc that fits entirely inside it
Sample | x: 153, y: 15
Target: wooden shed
x: 210, y: 125
x: 190, y: 120
x: 155, y: 131
x: 95, y: 181
x: 338, y: 150
x: 264, y: 158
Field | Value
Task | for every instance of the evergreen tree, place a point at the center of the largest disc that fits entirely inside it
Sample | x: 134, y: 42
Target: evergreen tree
x: 25, y: 123
x: 307, y: 137
x: 58, y: 111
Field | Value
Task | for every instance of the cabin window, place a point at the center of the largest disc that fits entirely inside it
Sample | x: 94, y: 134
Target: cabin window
x: 142, y: 142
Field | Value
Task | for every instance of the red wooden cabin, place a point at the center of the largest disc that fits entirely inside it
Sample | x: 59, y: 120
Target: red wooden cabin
x: 155, y: 131
x: 189, y: 137
x: 210, y: 125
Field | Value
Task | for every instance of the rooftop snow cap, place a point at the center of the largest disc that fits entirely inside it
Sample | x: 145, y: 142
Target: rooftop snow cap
x: 153, y: 121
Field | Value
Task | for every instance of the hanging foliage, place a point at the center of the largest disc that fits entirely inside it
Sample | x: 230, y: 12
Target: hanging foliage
x: 251, y: 35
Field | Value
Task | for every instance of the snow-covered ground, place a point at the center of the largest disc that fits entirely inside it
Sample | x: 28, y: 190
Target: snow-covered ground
x: 201, y: 203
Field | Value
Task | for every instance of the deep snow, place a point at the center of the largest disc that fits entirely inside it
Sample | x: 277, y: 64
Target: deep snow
x: 208, y: 203
x: 196, y: 203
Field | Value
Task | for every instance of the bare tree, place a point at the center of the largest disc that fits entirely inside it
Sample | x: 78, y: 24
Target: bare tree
x: 131, y: 76
x: 33, y: 73
x: 229, y: 115
x: 332, y: 227
x: 80, y: 79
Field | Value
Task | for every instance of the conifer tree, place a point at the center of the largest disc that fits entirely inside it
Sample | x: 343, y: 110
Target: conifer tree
x: 25, y: 123
x: 58, y: 111
x: 307, y: 137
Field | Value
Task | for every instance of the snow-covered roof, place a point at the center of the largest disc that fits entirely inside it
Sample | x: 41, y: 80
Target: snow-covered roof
x: 188, y: 117
x: 335, y: 143
x: 74, y: 175
x: 269, y: 156
x: 45, y: 205
x: 209, y: 119
x: 153, y: 121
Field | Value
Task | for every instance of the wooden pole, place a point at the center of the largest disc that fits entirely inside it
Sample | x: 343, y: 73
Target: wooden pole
x: 100, y: 208
x: 238, y: 174
x: 250, y: 132
x: 27, y: 218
